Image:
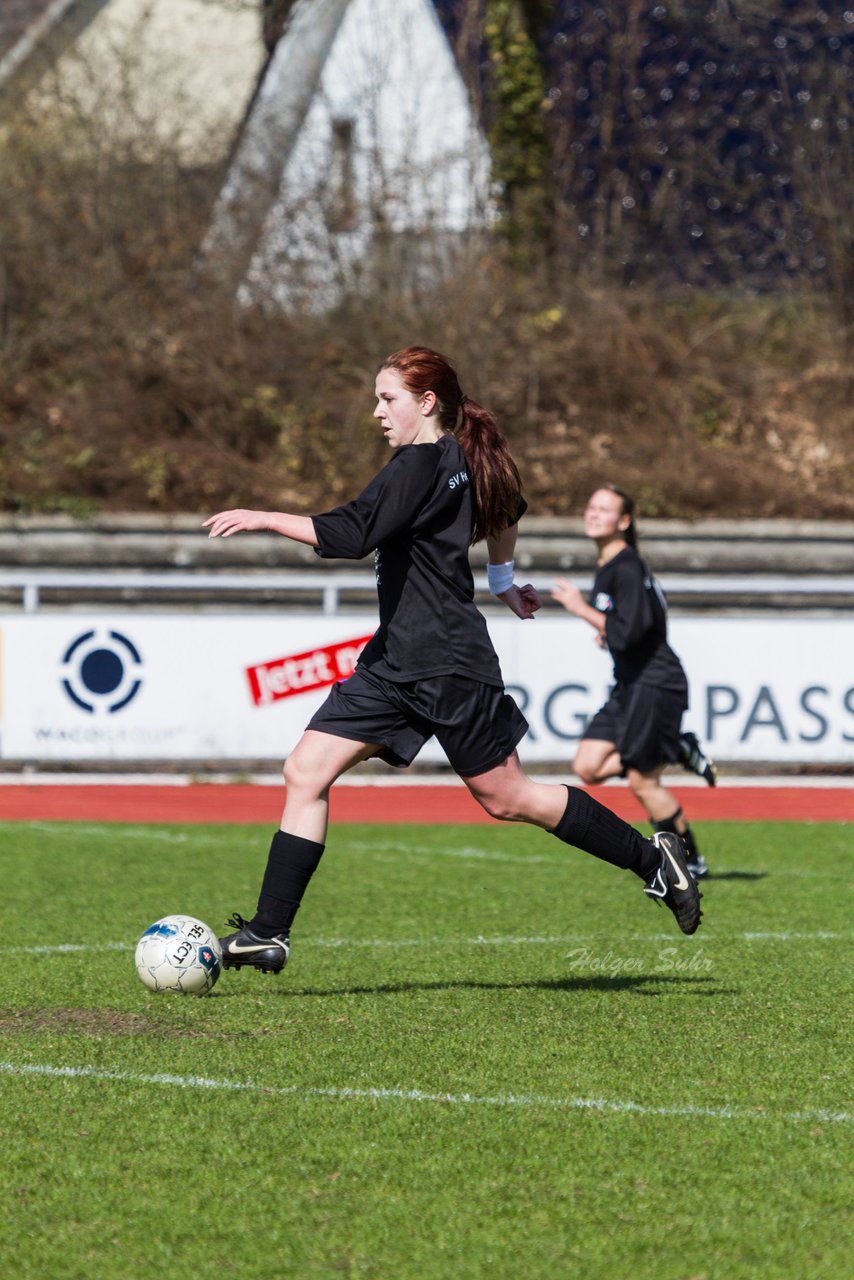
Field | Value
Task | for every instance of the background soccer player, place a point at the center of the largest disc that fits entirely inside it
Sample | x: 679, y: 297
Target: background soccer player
x: 638, y: 730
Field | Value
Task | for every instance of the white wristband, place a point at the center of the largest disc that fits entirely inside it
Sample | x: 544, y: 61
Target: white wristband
x: 500, y: 577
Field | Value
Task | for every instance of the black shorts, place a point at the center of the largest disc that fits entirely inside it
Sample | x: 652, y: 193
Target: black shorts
x: 643, y: 722
x: 477, y: 725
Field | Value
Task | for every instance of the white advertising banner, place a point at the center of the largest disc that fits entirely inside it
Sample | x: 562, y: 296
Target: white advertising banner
x: 141, y: 686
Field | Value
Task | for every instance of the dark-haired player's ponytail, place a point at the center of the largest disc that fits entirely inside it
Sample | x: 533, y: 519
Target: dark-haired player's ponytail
x: 628, y: 509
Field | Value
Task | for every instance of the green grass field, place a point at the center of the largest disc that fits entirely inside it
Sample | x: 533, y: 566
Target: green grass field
x: 490, y: 1056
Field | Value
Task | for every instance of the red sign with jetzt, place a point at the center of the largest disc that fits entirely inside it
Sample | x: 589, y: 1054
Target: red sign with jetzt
x: 301, y: 672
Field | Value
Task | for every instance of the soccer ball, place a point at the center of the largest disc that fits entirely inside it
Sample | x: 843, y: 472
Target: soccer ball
x: 179, y: 953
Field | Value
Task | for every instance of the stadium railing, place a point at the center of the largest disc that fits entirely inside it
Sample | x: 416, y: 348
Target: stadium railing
x: 334, y: 590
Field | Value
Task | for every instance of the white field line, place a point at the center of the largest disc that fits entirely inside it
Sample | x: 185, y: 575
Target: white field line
x: 470, y: 853
x: 555, y: 940
x: 467, y: 853
x: 417, y: 1095
x: 107, y: 832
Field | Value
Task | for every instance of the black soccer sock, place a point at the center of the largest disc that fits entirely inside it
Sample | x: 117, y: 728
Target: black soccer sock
x: 686, y: 836
x: 291, y: 863
x: 588, y: 825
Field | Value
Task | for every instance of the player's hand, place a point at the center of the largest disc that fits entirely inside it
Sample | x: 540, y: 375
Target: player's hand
x: 224, y: 523
x: 524, y: 601
x: 567, y: 594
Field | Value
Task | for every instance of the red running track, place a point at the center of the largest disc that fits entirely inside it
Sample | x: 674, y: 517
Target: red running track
x: 225, y: 802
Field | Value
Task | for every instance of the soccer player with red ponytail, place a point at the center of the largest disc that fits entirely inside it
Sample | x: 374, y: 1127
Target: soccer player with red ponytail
x: 430, y: 668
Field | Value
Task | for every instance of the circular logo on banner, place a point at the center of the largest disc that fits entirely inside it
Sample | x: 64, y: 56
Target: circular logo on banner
x: 101, y: 671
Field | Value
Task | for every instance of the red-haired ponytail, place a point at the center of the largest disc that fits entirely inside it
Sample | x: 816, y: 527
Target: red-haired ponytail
x: 495, y: 479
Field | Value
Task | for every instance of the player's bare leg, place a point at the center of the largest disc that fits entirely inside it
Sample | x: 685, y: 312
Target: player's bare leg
x: 316, y: 762
x: 297, y: 847
x: 577, y: 819
x: 665, y: 814
x: 597, y: 760
x: 508, y: 793
x: 656, y: 799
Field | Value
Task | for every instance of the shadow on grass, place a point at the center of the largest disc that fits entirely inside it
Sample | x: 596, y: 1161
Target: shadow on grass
x: 714, y: 876
x: 641, y: 983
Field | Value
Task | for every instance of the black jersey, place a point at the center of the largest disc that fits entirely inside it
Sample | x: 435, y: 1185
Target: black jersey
x: 636, y: 623
x: 416, y: 516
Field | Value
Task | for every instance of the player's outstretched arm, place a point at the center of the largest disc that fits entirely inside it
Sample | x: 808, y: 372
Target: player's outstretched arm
x: 297, y: 528
x: 568, y: 594
x: 524, y: 601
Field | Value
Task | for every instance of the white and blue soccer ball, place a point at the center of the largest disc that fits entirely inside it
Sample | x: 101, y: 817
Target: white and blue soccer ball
x: 180, y: 954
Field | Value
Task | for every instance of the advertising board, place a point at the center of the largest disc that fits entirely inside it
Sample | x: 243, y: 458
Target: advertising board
x: 137, y: 686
